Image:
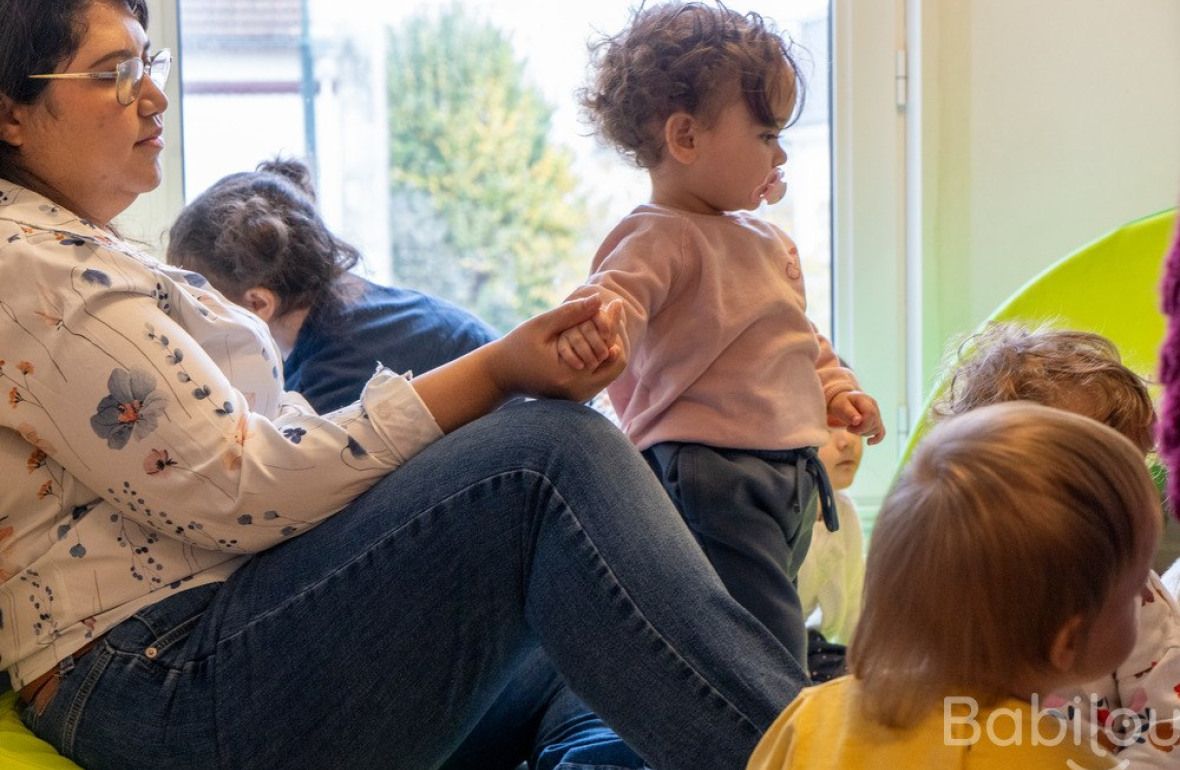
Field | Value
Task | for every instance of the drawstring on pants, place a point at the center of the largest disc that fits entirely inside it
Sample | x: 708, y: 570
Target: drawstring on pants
x: 807, y: 458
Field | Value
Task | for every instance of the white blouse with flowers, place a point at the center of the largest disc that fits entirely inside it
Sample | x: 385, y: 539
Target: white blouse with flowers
x: 146, y: 442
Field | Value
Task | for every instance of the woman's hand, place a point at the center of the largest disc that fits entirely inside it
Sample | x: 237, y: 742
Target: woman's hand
x: 525, y: 362
x: 537, y: 359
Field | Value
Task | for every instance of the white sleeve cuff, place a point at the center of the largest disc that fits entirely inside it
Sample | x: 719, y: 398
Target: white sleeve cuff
x: 398, y: 416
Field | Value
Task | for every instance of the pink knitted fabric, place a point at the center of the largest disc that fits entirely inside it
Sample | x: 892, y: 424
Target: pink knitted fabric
x: 1169, y: 439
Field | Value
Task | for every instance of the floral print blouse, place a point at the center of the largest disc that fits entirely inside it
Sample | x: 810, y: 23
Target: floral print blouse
x: 146, y: 442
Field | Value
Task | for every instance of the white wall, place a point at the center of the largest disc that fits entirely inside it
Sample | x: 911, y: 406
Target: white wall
x: 1031, y: 129
x: 1044, y: 124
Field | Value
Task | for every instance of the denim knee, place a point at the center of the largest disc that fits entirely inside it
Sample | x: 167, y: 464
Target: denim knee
x: 564, y: 431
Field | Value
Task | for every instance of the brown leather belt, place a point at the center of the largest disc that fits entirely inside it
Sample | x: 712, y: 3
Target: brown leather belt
x: 41, y: 690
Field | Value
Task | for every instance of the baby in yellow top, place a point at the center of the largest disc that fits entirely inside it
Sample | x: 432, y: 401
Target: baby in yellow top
x: 1007, y: 563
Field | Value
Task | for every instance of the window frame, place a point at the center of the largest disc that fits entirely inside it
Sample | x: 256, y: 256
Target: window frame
x: 871, y: 304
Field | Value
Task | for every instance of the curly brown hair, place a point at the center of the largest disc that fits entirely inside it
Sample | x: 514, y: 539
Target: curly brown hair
x: 262, y: 228
x: 1074, y: 370
x: 682, y: 57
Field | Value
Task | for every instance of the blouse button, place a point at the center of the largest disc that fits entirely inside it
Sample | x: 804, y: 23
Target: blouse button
x: 151, y: 653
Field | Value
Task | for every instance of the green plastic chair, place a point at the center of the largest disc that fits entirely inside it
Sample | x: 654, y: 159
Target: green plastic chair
x: 1110, y: 287
x: 19, y: 748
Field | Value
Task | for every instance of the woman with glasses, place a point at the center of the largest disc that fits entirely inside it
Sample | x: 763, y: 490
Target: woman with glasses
x: 197, y: 570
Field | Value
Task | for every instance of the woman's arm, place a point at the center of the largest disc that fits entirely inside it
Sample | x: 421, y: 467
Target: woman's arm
x: 101, y: 377
x: 523, y: 362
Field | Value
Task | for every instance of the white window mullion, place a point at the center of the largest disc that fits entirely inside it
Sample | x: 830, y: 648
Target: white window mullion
x: 869, y: 148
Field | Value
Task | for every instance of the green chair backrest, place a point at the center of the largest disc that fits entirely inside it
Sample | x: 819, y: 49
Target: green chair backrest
x: 1110, y: 287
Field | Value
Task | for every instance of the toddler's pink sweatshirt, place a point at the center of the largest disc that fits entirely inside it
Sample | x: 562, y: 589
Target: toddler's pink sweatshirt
x: 720, y: 349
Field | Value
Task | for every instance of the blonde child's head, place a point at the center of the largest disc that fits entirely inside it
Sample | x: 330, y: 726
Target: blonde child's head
x: 1073, y: 370
x: 1007, y: 559
x: 685, y: 57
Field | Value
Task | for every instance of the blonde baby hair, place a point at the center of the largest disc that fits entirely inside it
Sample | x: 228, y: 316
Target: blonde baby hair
x: 1009, y: 521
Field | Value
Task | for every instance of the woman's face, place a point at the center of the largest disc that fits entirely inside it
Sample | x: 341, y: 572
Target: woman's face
x: 92, y: 154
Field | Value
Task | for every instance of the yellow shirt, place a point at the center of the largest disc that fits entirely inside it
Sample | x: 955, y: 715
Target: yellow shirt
x: 825, y: 727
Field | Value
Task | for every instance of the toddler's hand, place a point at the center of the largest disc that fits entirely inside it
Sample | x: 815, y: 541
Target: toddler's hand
x: 525, y: 360
x: 592, y: 342
x: 857, y: 411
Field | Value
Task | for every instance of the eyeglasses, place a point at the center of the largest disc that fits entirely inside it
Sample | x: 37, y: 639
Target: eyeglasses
x: 128, y: 75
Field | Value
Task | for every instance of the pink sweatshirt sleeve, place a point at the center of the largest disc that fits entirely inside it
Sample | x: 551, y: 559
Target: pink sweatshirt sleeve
x: 641, y: 267
x: 834, y: 377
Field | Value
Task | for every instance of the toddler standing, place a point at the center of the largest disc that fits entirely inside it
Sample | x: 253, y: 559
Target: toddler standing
x: 729, y: 387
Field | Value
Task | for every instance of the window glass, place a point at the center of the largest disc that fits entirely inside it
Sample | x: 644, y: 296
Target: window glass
x: 446, y: 138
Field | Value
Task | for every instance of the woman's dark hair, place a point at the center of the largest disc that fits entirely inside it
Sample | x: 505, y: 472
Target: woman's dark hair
x: 678, y: 56
x: 35, y: 37
x: 261, y: 228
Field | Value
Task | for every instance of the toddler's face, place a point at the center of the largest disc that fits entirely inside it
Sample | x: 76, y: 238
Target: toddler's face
x: 841, y: 456
x: 738, y: 153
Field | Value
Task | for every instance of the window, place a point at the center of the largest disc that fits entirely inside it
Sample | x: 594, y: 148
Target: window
x: 877, y: 309
x: 478, y: 183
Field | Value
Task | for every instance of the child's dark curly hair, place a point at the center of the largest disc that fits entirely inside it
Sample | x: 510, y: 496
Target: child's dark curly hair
x: 261, y: 228
x: 679, y: 56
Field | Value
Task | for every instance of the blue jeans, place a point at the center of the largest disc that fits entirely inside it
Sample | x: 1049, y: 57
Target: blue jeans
x: 537, y: 719
x: 383, y: 636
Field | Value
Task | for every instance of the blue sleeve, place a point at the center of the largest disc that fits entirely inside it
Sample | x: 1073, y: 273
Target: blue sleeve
x: 401, y: 329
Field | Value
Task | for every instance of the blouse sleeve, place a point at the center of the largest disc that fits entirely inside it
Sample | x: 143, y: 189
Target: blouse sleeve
x: 833, y: 376
x: 99, y: 375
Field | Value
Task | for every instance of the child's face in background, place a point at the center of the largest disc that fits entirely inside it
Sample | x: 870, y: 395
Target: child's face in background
x: 841, y: 456
x: 738, y: 152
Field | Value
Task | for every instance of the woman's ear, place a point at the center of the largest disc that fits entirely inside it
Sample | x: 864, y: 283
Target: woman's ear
x: 1067, y: 644
x: 262, y: 302
x: 681, y: 139
x: 10, y: 122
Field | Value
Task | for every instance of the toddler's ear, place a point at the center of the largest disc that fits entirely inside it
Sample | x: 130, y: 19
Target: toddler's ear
x: 680, y: 137
x: 262, y: 302
x: 1067, y: 644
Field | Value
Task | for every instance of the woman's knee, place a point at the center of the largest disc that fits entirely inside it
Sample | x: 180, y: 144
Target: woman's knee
x: 562, y: 427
